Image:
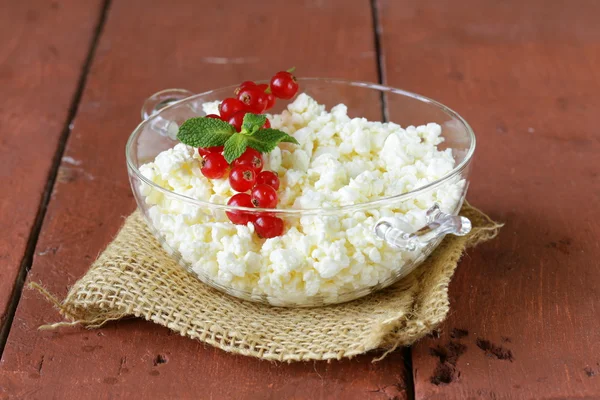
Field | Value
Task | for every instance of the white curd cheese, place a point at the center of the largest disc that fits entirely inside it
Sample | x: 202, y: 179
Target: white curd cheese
x: 340, y: 161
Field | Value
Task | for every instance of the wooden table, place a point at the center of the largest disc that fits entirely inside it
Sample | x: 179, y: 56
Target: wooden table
x: 525, y: 74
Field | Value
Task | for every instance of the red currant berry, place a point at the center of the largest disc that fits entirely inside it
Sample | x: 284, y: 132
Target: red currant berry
x: 240, y: 217
x: 242, y: 178
x: 204, y: 151
x: 230, y: 106
x: 268, y: 227
x: 254, y: 99
x: 284, y: 85
x: 268, y: 178
x: 252, y: 158
x: 267, y: 124
x: 264, y: 196
x: 244, y: 85
x: 270, y: 96
x: 215, y: 116
x: 270, y: 101
x: 214, y: 166
x: 237, y: 120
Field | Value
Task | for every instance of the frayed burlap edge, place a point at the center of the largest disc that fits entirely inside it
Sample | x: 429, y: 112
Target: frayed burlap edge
x: 135, y: 277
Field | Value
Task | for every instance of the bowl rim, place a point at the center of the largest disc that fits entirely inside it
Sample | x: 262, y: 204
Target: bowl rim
x: 321, y: 210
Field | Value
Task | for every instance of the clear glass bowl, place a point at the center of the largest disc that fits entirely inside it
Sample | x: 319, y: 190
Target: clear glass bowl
x: 404, y: 229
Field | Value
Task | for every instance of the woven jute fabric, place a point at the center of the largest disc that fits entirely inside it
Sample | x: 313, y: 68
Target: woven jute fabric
x: 135, y: 277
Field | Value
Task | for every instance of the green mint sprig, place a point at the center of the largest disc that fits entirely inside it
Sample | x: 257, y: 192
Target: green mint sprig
x: 211, y: 132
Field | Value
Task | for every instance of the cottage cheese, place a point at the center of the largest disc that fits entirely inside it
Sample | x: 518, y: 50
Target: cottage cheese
x: 340, y: 161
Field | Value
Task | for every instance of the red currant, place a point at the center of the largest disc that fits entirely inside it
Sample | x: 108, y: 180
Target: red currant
x: 230, y: 106
x: 267, y: 124
x: 214, y: 166
x: 264, y: 196
x: 242, y: 178
x: 204, y: 151
x: 284, y: 85
x: 252, y: 158
x: 237, y: 120
x: 270, y: 100
x: 254, y: 99
x: 215, y: 116
x: 240, y: 217
x: 270, y: 96
x: 268, y: 227
x: 245, y: 84
x: 268, y: 178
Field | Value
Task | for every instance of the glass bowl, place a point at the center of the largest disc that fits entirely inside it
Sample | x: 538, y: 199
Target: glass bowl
x: 386, y: 238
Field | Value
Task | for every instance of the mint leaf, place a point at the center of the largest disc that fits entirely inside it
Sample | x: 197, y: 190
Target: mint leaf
x: 204, y: 132
x: 235, y: 146
x: 253, y: 122
x: 265, y: 140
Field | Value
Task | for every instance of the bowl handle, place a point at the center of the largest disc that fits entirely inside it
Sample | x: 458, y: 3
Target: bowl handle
x: 399, y: 234
x: 162, y: 99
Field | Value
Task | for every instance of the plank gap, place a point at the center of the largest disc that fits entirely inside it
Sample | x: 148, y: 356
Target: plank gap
x: 379, y: 55
x: 408, y: 366
x: 27, y: 260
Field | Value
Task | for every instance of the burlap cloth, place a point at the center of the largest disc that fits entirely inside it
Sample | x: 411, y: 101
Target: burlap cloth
x: 135, y: 277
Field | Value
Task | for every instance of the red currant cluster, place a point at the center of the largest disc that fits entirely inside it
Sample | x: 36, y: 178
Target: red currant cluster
x: 246, y: 171
x: 246, y: 175
x: 250, y: 97
x: 254, y: 98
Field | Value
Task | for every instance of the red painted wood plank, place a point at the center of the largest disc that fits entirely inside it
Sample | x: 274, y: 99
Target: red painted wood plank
x: 526, y: 75
x: 146, y: 47
x: 39, y: 74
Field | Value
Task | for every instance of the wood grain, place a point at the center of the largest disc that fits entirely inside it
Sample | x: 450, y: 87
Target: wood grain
x: 39, y: 74
x: 131, y: 359
x: 174, y: 44
x: 526, y: 75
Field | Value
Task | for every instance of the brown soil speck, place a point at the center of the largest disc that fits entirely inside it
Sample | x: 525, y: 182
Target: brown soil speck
x: 456, y: 75
x: 445, y: 372
x: 506, y: 339
x: 562, y: 103
x: 448, y: 353
x: 458, y: 333
x: 493, y: 350
x: 561, y: 245
x: 160, y: 359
